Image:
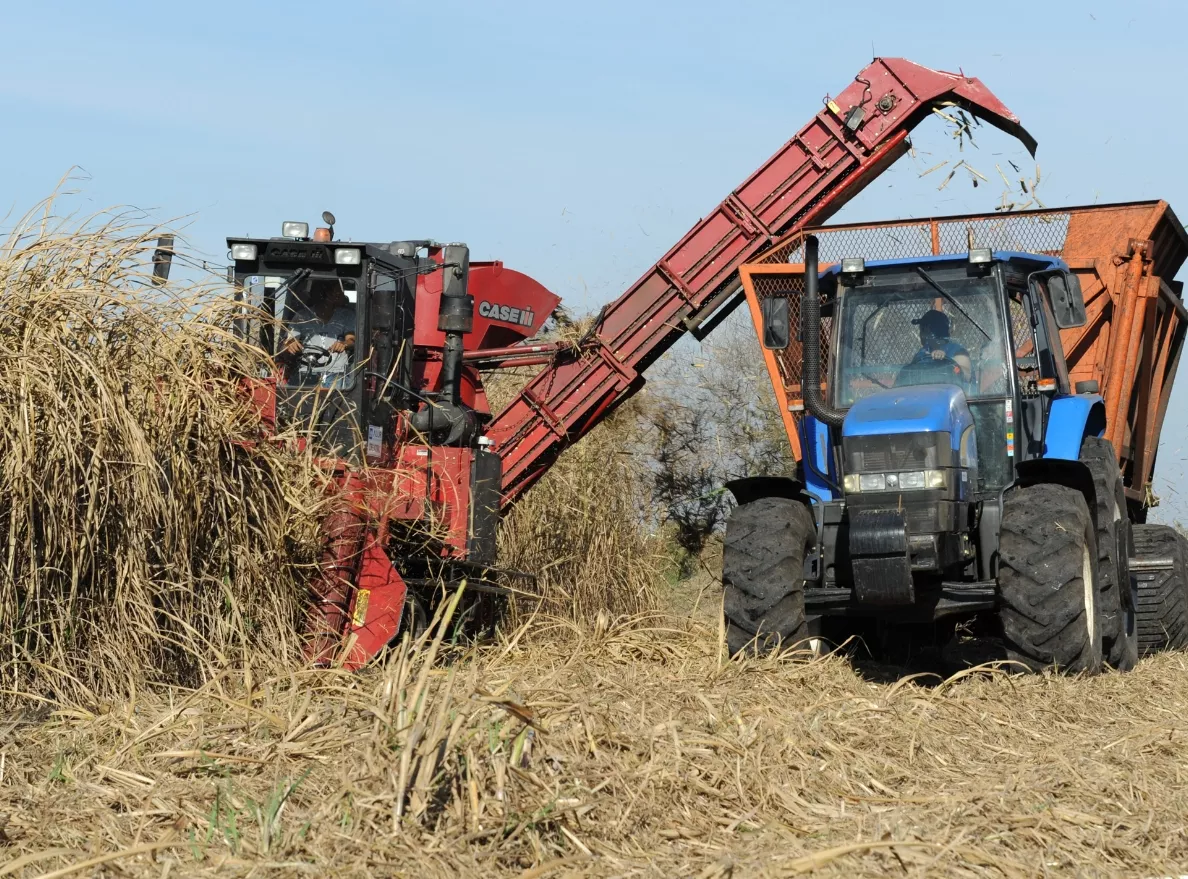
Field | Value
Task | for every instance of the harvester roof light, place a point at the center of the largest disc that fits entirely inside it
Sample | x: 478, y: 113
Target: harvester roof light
x: 979, y: 256
x: 347, y: 256
x: 294, y: 229
x: 244, y: 252
x: 853, y: 265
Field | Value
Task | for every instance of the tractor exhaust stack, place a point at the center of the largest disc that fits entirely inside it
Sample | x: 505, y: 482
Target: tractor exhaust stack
x: 810, y: 321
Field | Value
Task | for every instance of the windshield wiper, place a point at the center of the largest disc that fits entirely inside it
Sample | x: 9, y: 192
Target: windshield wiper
x: 945, y: 293
x: 295, y: 278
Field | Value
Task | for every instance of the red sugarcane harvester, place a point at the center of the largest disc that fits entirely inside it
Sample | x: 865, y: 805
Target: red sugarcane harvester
x: 384, y: 347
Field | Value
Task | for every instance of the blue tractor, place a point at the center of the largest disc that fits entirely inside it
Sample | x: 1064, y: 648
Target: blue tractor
x: 951, y: 474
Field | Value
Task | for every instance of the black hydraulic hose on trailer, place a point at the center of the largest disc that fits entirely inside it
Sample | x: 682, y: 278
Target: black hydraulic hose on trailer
x: 810, y: 325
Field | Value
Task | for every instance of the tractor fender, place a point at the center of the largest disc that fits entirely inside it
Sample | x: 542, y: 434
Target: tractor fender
x: 1070, y: 420
x: 1060, y: 471
x: 751, y: 488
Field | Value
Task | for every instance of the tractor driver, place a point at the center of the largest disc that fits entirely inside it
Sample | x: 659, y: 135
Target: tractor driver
x: 323, y: 318
x: 935, y: 343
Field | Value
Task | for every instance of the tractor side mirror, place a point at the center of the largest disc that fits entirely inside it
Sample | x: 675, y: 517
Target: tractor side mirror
x: 777, y: 325
x: 1068, y: 303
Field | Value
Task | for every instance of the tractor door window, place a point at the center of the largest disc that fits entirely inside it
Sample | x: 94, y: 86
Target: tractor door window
x: 1023, y: 339
x: 316, y: 344
x: 1055, y: 367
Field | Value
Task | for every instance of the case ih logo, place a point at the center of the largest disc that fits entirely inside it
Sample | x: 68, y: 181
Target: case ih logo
x: 506, y: 314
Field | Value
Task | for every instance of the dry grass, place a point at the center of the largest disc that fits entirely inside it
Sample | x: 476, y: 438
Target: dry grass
x: 582, y: 530
x: 133, y: 522
x: 636, y: 752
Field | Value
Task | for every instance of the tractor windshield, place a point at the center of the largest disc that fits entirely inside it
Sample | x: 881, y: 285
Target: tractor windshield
x: 921, y: 329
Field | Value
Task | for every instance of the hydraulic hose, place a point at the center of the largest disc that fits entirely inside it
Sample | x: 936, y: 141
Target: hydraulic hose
x: 810, y: 325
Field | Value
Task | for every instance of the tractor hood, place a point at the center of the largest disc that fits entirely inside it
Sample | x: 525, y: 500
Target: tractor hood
x: 916, y: 409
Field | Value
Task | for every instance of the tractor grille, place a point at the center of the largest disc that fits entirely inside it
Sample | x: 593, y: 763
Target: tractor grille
x: 885, y: 460
x: 891, y: 453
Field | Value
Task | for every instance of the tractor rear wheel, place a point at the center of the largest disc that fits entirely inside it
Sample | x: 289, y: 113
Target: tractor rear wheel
x: 1163, y: 591
x: 763, y: 574
x: 1047, y: 580
x: 1115, y: 545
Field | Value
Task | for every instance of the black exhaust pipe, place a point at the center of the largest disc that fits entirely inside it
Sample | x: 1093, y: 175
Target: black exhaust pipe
x: 810, y: 325
x: 445, y: 420
x: 455, y: 317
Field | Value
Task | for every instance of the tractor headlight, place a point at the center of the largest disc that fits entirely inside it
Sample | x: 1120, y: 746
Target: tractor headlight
x: 915, y: 479
x: 244, y: 252
x: 872, y: 482
x: 907, y: 481
x: 922, y: 479
x: 347, y: 256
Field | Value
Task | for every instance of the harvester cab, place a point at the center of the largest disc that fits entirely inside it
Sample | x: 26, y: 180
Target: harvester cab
x: 950, y: 466
x: 337, y: 318
x: 372, y: 343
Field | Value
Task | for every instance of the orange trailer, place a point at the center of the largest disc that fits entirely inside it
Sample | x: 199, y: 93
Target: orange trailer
x: 1126, y: 256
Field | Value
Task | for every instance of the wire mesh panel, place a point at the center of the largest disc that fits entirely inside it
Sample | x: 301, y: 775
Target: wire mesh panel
x: 1030, y: 233
x: 868, y: 242
x: 1044, y: 232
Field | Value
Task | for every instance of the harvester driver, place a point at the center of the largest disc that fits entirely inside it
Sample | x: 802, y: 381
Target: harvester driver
x: 935, y: 343
x: 322, y: 328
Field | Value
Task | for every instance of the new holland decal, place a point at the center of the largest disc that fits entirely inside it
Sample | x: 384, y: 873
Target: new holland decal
x: 520, y: 317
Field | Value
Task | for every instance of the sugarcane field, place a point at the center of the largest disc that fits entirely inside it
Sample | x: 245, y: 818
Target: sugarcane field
x: 534, y: 441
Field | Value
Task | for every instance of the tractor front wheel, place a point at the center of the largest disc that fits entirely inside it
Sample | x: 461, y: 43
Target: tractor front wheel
x: 1047, y: 580
x: 763, y: 574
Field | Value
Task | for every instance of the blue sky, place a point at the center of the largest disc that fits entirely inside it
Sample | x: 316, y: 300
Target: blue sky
x: 576, y: 142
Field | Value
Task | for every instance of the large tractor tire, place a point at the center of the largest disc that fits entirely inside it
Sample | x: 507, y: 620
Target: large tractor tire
x: 1047, y: 580
x: 1115, y: 545
x: 1162, y: 592
x: 763, y: 574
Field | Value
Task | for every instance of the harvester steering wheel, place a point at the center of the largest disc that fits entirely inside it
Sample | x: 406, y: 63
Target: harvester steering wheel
x: 314, y: 357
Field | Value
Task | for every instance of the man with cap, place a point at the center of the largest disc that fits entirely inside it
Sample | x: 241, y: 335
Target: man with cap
x: 935, y: 343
